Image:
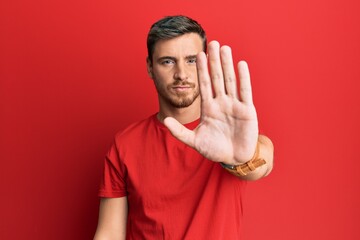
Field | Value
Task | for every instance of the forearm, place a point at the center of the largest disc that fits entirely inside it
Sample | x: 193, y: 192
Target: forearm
x: 112, y: 219
x: 266, y: 152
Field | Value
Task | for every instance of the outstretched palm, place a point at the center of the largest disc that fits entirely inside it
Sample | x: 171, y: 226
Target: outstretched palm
x: 228, y: 129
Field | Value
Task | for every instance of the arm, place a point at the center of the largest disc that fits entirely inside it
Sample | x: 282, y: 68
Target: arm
x: 112, y: 219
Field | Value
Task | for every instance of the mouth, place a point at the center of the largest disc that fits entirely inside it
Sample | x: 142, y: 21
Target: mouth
x: 182, y: 88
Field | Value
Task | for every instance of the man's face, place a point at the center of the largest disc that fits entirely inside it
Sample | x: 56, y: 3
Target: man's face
x: 173, y: 70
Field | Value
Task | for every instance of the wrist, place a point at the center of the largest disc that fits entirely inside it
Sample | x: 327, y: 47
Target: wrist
x: 247, y: 167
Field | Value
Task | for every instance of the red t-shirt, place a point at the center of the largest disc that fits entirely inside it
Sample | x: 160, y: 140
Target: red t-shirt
x: 173, y: 192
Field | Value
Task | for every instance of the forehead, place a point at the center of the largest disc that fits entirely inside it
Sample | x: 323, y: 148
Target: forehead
x: 184, y: 45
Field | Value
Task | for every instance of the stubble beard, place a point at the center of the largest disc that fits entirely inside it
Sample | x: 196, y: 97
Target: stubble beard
x: 178, y: 100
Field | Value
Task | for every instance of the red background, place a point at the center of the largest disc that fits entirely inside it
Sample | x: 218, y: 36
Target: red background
x: 72, y: 73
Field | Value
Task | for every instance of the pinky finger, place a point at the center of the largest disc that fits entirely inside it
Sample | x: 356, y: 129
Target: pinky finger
x: 245, y: 83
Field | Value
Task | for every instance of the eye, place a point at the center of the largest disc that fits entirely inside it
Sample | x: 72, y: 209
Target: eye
x: 167, y: 62
x: 192, y: 60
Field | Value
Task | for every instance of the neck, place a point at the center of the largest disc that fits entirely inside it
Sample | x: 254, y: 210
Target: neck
x: 183, y: 115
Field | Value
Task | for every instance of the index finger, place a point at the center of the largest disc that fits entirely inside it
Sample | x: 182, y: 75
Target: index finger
x: 203, y: 77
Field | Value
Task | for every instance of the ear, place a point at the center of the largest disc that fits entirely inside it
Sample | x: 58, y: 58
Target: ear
x: 149, y: 67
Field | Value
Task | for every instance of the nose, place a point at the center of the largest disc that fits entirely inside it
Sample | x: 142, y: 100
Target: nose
x: 181, y: 72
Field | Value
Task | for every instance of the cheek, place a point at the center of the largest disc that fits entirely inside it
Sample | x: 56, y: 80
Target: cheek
x: 163, y: 75
x: 160, y: 81
x: 194, y: 76
x: 193, y: 71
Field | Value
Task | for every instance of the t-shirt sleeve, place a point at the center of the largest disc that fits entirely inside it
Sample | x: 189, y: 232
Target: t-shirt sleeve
x: 113, y: 182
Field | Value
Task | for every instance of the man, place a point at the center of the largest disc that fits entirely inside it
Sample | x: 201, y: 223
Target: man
x: 180, y: 173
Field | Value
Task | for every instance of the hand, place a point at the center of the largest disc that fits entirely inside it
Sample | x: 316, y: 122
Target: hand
x: 228, y: 128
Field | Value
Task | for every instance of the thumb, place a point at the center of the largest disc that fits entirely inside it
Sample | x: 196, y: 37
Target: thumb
x: 180, y: 131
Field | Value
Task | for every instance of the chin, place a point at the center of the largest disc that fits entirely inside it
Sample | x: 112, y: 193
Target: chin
x: 183, y: 103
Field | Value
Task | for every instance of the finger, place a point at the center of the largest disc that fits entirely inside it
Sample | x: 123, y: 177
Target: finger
x: 203, y: 77
x: 216, y: 72
x: 180, y: 132
x: 245, y: 83
x: 228, y: 70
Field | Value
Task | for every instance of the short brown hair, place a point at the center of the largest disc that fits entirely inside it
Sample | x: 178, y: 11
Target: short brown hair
x: 172, y: 27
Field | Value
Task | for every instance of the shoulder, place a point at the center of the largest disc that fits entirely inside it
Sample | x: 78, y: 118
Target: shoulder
x: 136, y: 129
